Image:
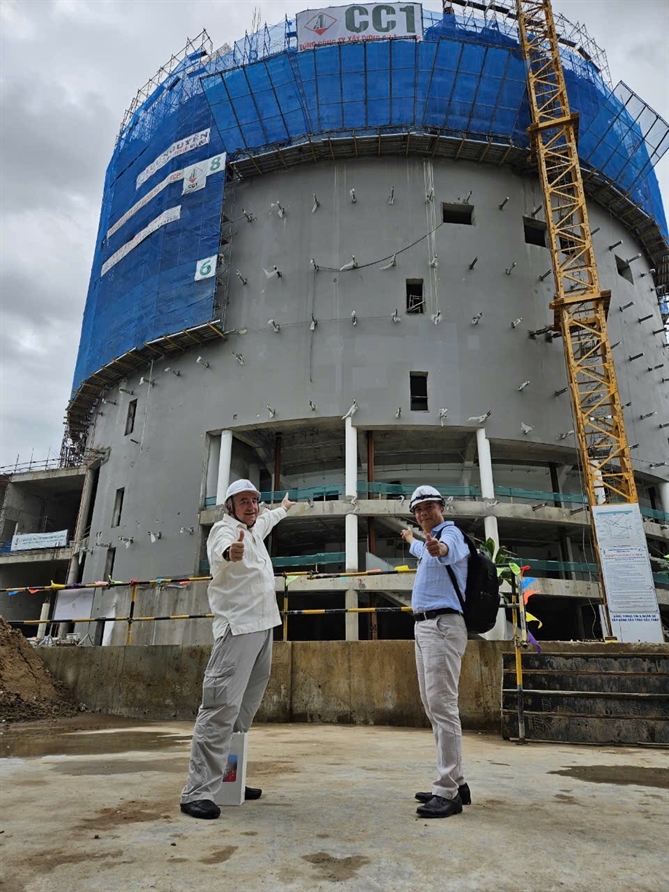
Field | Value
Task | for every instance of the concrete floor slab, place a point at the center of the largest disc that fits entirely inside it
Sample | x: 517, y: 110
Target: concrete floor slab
x: 91, y: 804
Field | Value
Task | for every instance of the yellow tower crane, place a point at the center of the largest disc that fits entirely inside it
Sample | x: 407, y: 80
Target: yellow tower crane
x: 580, y: 306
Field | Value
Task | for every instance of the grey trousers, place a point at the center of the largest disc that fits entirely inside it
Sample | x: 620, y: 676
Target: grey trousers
x: 234, y: 683
x: 440, y: 645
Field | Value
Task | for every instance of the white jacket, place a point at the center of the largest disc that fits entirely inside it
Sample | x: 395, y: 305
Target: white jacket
x: 241, y: 593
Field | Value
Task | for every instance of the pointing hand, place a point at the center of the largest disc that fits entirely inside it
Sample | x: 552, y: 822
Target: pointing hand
x: 237, y: 548
x: 287, y: 504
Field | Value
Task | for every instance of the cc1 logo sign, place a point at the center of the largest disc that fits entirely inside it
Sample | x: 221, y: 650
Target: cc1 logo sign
x: 358, y: 22
x: 382, y: 18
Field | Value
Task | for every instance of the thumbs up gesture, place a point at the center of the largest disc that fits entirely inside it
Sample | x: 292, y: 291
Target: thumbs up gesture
x: 435, y: 547
x: 237, y: 548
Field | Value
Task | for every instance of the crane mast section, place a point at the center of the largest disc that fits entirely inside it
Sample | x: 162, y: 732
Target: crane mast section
x: 580, y: 306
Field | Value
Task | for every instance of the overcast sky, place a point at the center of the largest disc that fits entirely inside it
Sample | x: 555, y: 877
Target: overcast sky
x: 68, y: 71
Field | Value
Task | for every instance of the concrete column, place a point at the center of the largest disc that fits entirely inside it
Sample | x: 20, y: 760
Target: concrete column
x: 80, y: 527
x: 224, y: 462
x: 44, y: 615
x: 351, y: 618
x: 663, y: 490
x: 213, y: 460
x: 500, y: 630
x: 351, y: 452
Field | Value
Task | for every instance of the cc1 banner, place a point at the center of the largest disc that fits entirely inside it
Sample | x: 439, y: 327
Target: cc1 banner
x: 364, y: 21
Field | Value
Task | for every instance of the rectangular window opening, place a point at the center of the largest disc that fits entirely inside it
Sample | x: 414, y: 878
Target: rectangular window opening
x: 130, y: 417
x: 418, y: 390
x: 415, y: 301
x: 535, y: 232
x: 458, y: 213
x: 109, y: 563
x: 624, y: 269
x: 118, y: 507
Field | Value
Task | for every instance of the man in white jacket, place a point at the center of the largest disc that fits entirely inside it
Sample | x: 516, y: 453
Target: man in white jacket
x: 243, y: 601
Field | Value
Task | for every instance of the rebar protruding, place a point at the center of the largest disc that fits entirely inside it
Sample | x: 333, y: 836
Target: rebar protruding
x: 647, y: 415
x: 312, y: 406
x: 429, y: 196
x: 315, y: 266
x: 635, y: 446
x: 654, y: 368
x: 501, y: 207
x: 396, y: 316
x: 560, y: 392
x: 595, y: 230
x: 509, y: 268
x: 523, y: 385
x: 275, y: 325
x: 659, y: 331
x: 617, y: 343
x: 615, y: 244
x: 627, y: 306
x: 238, y: 357
x: 466, y: 201
x: 476, y: 319
x: 540, y: 505
x: 434, y: 263
x: 627, y: 405
x: 545, y: 275
x: 313, y: 323
x: 281, y: 210
x: 666, y: 424
x: 249, y: 217
x: 241, y: 277
x: 351, y: 192
x: 272, y: 412
x: 644, y: 318
x: 565, y: 435
x: 516, y: 322
x: 398, y: 413
x: 473, y: 263
x: 391, y: 198
x: 658, y: 464
x: 636, y: 356
x: 632, y: 259
x: 317, y: 204
x: 536, y: 210
x: 354, y: 317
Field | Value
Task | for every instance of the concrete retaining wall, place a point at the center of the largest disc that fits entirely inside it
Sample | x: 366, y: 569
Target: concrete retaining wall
x: 346, y: 682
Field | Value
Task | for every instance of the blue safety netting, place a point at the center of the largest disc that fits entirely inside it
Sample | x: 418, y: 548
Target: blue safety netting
x: 467, y: 78
x: 152, y: 291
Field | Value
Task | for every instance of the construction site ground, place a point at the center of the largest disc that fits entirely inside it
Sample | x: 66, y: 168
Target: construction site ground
x: 91, y: 803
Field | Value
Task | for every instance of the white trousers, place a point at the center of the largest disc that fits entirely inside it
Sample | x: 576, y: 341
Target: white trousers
x: 234, y: 683
x: 440, y: 645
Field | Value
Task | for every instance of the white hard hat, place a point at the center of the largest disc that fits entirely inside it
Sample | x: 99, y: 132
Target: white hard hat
x: 240, y: 486
x: 425, y: 494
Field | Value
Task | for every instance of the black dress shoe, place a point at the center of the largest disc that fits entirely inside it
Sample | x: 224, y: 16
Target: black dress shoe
x: 201, y: 808
x: 463, y: 792
x: 438, y: 807
x: 252, y: 793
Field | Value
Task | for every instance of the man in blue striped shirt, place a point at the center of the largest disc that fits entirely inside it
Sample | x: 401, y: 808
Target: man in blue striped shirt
x: 441, y: 639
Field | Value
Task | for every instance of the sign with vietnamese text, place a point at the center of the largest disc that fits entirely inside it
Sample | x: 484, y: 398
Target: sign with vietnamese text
x: 30, y: 541
x: 361, y: 22
x: 628, y: 576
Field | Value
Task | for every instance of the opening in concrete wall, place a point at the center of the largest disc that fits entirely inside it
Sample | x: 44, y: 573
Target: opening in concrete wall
x: 418, y: 390
x: 535, y: 232
x: 414, y: 293
x: 458, y: 213
x: 624, y: 269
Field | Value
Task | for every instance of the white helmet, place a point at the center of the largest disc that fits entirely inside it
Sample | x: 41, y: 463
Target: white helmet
x: 240, y: 486
x: 425, y: 494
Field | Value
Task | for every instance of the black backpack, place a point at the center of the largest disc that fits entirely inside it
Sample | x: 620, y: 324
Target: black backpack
x: 481, y: 601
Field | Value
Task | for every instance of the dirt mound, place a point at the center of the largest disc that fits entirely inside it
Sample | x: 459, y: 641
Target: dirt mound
x: 27, y: 689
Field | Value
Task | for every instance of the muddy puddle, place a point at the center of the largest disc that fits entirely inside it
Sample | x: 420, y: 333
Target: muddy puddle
x: 619, y: 774
x: 86, y: 735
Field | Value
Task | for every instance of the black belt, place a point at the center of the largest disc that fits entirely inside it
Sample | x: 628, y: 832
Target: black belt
x: 432, y: 614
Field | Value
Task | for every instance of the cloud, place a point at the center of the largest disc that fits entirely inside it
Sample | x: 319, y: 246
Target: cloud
x: 68, y: 70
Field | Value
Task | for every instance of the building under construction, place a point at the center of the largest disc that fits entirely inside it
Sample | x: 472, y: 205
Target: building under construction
x: 322, y: 263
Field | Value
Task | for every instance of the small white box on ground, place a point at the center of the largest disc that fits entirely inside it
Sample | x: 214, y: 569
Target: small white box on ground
x: 234, y: 776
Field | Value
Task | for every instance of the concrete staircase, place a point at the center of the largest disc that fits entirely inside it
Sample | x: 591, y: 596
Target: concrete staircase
x: 598, y: 698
